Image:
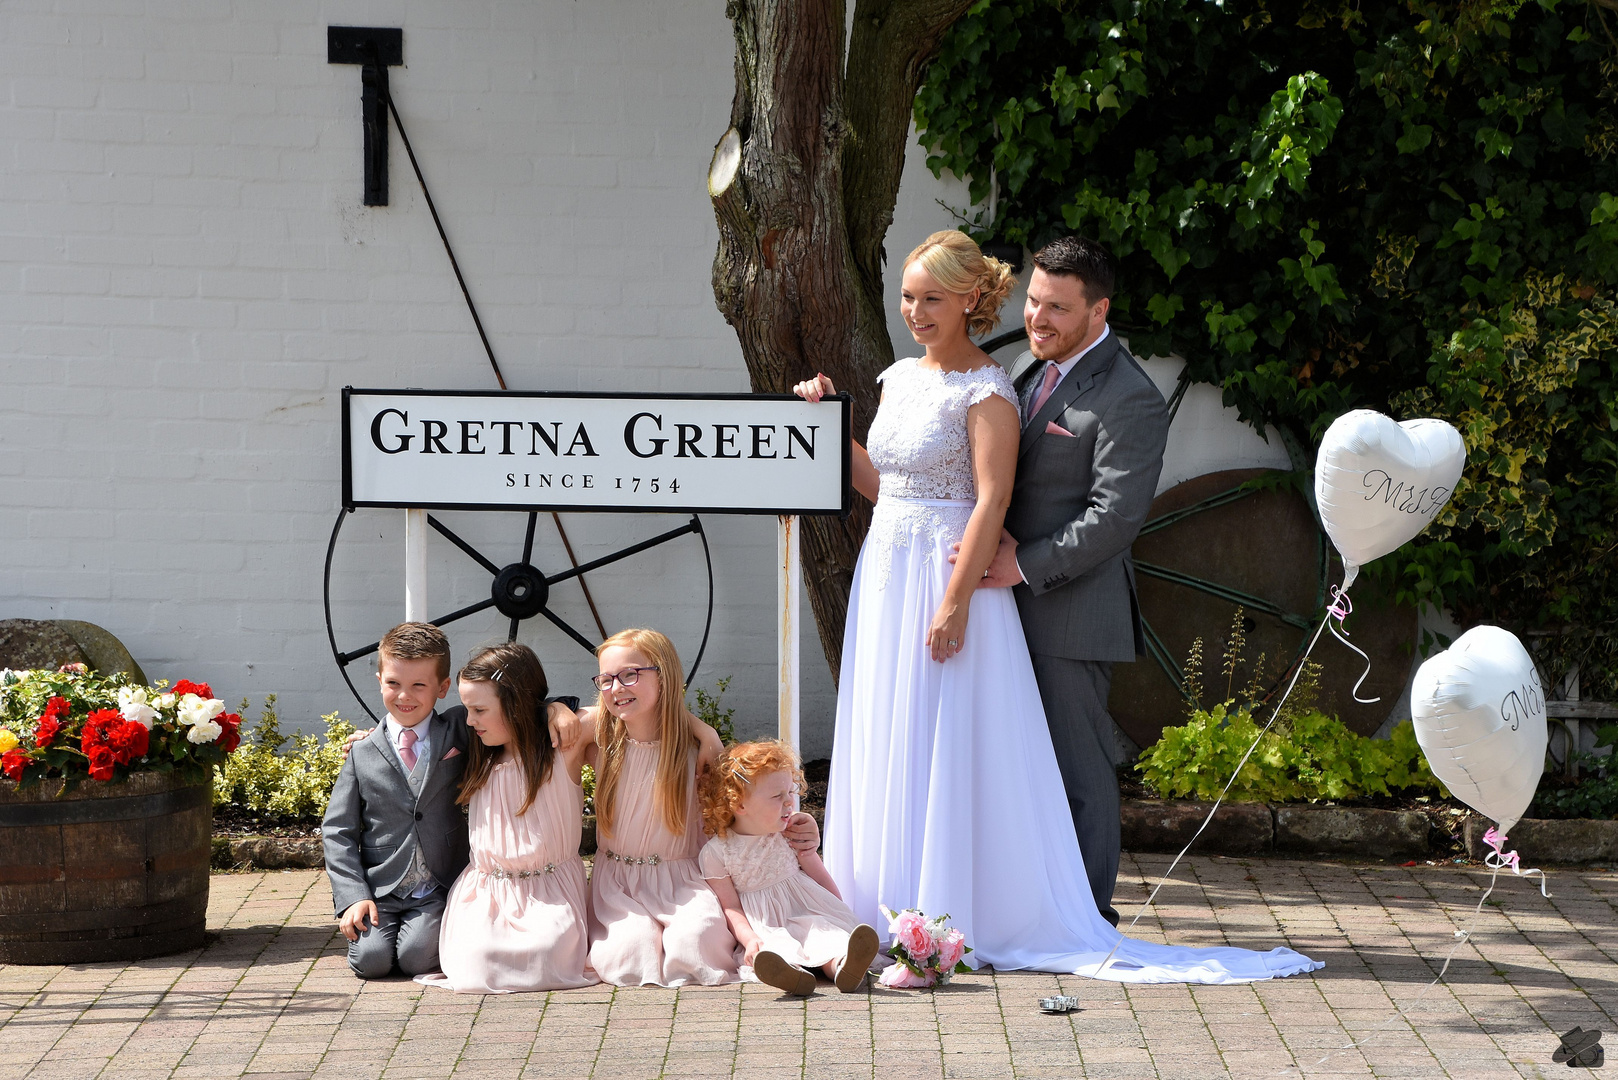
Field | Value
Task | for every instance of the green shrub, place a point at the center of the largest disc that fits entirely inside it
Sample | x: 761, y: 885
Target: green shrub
x: 1310, y: 756
x: 709, y: 712
x: 266, y: 775
x: 1595, y: 795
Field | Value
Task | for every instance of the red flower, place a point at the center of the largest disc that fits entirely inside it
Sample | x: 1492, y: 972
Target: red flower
x: 101, y: 762
x: 13, y: 762
x: 50, y: 722
x: 231, y: 737
x: 106, y: 729
x: 186, y: 686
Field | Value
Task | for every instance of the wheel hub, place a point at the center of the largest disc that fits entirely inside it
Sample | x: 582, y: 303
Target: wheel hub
x: 520, y: 591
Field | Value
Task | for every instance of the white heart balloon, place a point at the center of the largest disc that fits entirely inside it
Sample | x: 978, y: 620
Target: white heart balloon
x: 1479, y: 714
x: 1379, y: 483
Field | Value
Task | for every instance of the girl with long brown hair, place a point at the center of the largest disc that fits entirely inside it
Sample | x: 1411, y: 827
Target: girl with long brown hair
x: 653, y: 920
x: 516, y: 918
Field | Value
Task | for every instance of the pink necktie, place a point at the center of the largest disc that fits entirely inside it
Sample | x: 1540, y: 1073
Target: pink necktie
x: 407, y: 749
x: 1053, y: 375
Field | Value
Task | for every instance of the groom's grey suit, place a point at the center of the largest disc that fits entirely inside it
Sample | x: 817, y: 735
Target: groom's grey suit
x: 1077, y: 503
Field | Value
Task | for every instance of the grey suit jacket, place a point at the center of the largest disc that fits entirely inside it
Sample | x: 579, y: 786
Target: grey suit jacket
x: 374, y: 822
x: 1078, y: 502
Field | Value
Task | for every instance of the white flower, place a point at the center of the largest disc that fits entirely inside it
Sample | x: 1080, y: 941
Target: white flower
x: 165, y: 701
x: 197, y: 710
x: 139, y: 714
x: 205, y: 731
x: 131, y: 695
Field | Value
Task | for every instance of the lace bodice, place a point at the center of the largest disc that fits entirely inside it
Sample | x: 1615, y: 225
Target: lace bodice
x: 751, y: 862
x: 918, y: 440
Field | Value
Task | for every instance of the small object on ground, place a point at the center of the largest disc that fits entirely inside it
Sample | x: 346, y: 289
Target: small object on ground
x: 1412, y: 862
x: 1059, y: 1004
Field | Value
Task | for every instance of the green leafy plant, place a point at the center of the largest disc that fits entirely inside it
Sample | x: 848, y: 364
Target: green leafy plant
x: 1309, y: 757
x: 709, y: 712
x: 1325, y: 205
x: 288, y: 776
x: 1593, y: 795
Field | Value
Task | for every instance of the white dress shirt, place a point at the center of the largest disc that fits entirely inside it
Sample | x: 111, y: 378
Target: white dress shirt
x: 419, y: 881
x: 1066, y: 368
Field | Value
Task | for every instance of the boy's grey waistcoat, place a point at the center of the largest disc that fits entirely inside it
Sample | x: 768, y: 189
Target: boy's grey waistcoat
x: 375, y: 822
x: 1078, y: 502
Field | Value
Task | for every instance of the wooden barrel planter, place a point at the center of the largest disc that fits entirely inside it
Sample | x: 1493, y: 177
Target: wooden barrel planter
x: 105, y: 872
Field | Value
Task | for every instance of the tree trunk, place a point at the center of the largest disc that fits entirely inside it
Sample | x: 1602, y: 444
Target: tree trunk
x: 803, y: 187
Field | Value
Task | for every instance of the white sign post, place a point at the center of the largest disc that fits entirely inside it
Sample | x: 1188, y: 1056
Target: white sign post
x: 420, y: 450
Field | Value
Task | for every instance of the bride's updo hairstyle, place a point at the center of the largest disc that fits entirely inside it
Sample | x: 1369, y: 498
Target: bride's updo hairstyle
x: 956, y: 263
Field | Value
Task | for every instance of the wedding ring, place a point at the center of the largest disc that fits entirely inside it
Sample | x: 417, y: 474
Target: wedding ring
x: 953, y: 643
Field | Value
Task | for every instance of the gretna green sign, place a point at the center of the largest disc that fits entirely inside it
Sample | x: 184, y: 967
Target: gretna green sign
x: 713, y: 453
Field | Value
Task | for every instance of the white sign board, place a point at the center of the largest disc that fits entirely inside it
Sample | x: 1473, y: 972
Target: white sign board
x: 648, y: 453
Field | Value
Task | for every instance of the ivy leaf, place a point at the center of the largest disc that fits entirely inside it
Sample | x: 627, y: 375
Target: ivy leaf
x: 1415, y: 138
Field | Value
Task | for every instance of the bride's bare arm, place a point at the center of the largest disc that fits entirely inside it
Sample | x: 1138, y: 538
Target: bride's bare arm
x: 865, y: 476
x: 992, y: 427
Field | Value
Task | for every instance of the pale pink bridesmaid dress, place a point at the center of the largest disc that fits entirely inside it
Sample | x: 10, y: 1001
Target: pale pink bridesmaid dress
x: 653, y: 920
x: 516, y: 919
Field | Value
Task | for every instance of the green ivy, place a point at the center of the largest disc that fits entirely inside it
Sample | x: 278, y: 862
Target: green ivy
x: 1405, y: 206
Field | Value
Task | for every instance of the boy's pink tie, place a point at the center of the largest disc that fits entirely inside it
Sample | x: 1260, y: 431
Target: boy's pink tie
x: 1053, y: 375
x: 407, y: 749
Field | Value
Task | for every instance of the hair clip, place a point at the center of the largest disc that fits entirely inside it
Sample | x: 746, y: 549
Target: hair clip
x: 739, y: 773
x: 497, y: 673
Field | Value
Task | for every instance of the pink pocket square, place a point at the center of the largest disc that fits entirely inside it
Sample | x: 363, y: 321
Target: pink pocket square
x: 1053, y: 428
x: 454, y: 751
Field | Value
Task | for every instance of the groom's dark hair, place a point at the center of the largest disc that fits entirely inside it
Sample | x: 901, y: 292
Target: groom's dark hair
x: 1083, y: 258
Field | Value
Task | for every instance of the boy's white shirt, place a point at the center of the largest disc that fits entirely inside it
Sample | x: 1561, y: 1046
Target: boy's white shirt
x: 424, y: 735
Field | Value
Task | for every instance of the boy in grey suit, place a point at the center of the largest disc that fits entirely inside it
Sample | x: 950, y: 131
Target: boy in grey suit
x: 1094, y: 428
x: 393, y: 835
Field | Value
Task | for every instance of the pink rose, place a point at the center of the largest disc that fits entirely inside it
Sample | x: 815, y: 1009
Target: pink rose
x: 951, y: 947
x: 911, y: 931
x: 899, y: 977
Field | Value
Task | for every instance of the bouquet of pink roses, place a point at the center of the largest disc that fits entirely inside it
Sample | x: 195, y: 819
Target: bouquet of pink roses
x: 928, y: 951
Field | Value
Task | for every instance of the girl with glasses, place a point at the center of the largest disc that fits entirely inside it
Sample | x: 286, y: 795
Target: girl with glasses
x: 653, y: 919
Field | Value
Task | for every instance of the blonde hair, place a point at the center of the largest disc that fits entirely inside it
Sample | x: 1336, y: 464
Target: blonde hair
x: 671, y: 785
x: 956, y: 263
x: 737, y: 770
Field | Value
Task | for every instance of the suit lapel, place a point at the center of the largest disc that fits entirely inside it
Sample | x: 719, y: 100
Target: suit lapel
x: 386, y: 751
x: 1069, y: 390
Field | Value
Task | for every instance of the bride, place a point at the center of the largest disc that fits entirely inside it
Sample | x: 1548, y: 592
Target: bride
x: 945, y: 793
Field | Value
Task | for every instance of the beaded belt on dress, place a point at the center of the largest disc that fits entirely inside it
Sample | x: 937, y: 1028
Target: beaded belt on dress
x: 649, y: 860
x: 508, y: 875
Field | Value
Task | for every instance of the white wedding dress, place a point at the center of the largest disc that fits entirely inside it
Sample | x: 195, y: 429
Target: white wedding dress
x: 945, y: 794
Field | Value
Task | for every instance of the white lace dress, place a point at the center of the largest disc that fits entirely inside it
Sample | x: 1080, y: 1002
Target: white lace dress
x: 945, y: 794
x: 792, y: 913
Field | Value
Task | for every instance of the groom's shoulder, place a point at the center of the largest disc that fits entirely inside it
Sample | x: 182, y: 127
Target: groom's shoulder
x: 1128, y: 378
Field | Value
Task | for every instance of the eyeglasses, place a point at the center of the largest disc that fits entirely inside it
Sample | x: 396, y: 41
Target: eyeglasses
x: 627, y: 677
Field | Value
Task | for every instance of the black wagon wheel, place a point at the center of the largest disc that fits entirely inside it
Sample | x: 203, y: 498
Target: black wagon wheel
x: 518, y: 590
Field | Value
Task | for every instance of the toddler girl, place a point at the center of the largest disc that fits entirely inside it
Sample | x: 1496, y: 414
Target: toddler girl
x: 516, y: 916
x: 783, y: 906
x: 652, y: 919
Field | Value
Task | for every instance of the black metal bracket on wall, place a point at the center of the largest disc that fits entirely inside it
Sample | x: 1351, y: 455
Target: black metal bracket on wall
x: 375, y: 48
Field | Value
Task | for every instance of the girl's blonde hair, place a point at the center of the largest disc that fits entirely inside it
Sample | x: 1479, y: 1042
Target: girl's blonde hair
x: 956, y: 263
x: 737, y: 770
x: 677, y: 742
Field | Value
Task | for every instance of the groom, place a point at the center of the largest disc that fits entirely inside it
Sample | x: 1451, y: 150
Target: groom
x: 1094, y: 427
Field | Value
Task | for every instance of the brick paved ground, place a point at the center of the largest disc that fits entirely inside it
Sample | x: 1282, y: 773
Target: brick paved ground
x: 272, y: 998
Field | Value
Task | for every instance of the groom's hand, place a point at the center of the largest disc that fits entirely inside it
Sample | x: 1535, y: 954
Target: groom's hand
x: 1003, y: 571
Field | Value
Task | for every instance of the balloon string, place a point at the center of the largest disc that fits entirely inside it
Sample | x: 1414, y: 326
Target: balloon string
x: 1341, y: 607
x: 1274, y: 716
x: 1500, y: 859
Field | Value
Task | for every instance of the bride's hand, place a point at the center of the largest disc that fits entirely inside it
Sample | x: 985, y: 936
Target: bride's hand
x: 947, y: 635
x: 814, y: 389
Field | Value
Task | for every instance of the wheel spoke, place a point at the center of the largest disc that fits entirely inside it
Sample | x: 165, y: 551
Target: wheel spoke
x: 1160, y: 653
x: 528, y: 541
x: 1224, y: 592
x: 568, y: 630
x: 515, y: 623
x: 606, y: 560
x: 1184, y: 512
x: 463, y: 545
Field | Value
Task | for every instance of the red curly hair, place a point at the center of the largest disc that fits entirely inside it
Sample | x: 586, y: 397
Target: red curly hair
x: 737, y: 769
